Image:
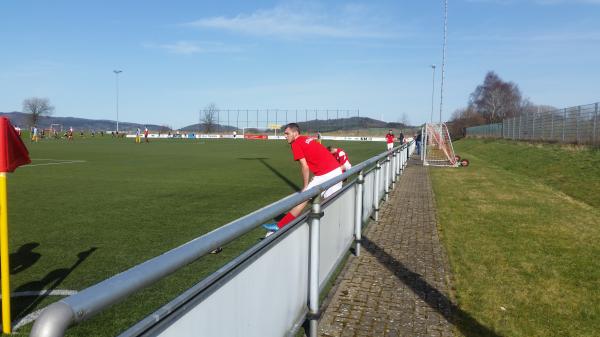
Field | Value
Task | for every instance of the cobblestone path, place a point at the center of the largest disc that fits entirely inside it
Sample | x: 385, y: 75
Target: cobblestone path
x: 398, y: 285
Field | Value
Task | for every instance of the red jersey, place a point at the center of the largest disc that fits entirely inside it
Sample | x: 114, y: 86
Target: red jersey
x: 146, y: 133
x: 319, y: 160
x: 340, y: 156
x: 390, y: 138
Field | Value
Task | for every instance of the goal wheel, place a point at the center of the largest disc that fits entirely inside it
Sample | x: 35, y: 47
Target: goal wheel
x: 464, y: 162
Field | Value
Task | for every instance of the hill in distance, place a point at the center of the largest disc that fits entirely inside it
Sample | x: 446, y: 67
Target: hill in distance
x: 329, y: 125
x: 23, y: 120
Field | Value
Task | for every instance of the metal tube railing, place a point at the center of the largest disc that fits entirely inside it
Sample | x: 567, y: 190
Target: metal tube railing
x: 57, y: 317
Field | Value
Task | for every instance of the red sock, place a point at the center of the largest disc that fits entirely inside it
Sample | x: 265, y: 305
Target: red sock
x: 286, y: 220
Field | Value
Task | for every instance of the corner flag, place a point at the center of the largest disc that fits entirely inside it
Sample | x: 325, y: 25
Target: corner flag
x: 13, y: 154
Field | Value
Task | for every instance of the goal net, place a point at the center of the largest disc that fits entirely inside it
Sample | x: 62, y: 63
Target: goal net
x: 437, y: 146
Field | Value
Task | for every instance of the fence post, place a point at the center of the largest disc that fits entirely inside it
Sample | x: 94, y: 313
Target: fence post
x: 594, y: 138
x: 577, y: 124
x: 564, y: 122
x: 552, y: 125
x: 376, y: 192
x: 533, y: 126
x: 313, y: 272
x: 358, y: 213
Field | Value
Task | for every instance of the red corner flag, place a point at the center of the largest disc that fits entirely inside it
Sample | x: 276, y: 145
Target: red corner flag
x: 13, y: 152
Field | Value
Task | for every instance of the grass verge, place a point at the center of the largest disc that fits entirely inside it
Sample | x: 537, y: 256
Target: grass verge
x: 521, y: 228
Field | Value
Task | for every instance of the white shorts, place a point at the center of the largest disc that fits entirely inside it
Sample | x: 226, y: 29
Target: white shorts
x: 390, y: 146
x: 317, y: 180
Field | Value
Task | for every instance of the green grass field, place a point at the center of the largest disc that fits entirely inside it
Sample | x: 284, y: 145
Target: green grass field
x: 73, y: 224
x: 521, y: 226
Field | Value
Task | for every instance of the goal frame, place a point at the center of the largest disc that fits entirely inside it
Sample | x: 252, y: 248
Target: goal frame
x: 443, y: 140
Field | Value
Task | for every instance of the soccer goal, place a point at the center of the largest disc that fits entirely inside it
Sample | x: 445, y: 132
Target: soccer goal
x: 437, y: 146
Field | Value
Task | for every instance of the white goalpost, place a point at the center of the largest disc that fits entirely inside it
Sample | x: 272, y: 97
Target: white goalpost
x: 437, y: 146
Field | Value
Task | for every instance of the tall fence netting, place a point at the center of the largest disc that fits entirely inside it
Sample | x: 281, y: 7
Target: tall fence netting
x: 577, y: 125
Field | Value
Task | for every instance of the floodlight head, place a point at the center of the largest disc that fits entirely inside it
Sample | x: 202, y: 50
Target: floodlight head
x: 433, y: 66
x: 117, y: 71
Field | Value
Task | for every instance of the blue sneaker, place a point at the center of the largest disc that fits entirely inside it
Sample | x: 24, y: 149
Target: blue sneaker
x: 271, y: 227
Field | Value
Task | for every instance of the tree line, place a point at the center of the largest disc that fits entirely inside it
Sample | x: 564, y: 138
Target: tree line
x: 491, y: 102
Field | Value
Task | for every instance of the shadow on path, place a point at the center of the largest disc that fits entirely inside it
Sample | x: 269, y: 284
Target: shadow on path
x: 24, y: 305
x: 467, y: 325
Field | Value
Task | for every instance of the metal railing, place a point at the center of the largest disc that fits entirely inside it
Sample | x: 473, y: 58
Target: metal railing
x: 277, y: 280
x: 579, y: 125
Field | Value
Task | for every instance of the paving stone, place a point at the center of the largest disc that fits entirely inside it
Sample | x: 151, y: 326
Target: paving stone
x: 398, y: 286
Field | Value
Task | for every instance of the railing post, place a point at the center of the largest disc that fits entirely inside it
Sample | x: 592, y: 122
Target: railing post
x: 398, y: 163
x: 386, y: 178
x: 313, y: 272
x: 393, y: 172
x: 376, y: 192
x: 358, y: 213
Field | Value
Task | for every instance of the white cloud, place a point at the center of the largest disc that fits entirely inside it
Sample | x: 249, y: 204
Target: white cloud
x: 349, y: 21
x: 195, y: 47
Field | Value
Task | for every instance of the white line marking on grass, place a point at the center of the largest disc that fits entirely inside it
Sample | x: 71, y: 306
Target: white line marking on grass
x: 20, y: 322
x: 49, y: 159
x: 45, y: 292
x: 57, y: 163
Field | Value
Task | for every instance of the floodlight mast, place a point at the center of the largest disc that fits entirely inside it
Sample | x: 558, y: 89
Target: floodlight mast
x: 444, y: 57
x: 117, y: 72
x: 432, y: 92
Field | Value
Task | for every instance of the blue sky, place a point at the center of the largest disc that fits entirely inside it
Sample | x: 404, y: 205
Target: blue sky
x: 179, y: 56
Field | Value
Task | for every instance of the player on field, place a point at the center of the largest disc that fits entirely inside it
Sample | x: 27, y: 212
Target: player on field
x: 313, y: 158
x: 389, y: 138
x: 340, y: 155
x: 34, y: 134
x: 146, y: 135
x: 137, y: 136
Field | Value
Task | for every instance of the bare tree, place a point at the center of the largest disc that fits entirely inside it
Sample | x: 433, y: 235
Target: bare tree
x: 462, y: 119
x: 208, y: 117
x: 496, y: 99
x: 36, y: 108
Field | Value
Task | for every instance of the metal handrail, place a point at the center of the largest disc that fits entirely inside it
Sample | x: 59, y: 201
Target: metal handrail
x: 57, y: 317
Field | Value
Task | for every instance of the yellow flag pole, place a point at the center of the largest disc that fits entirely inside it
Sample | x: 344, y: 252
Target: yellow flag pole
x: 6, y: 323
